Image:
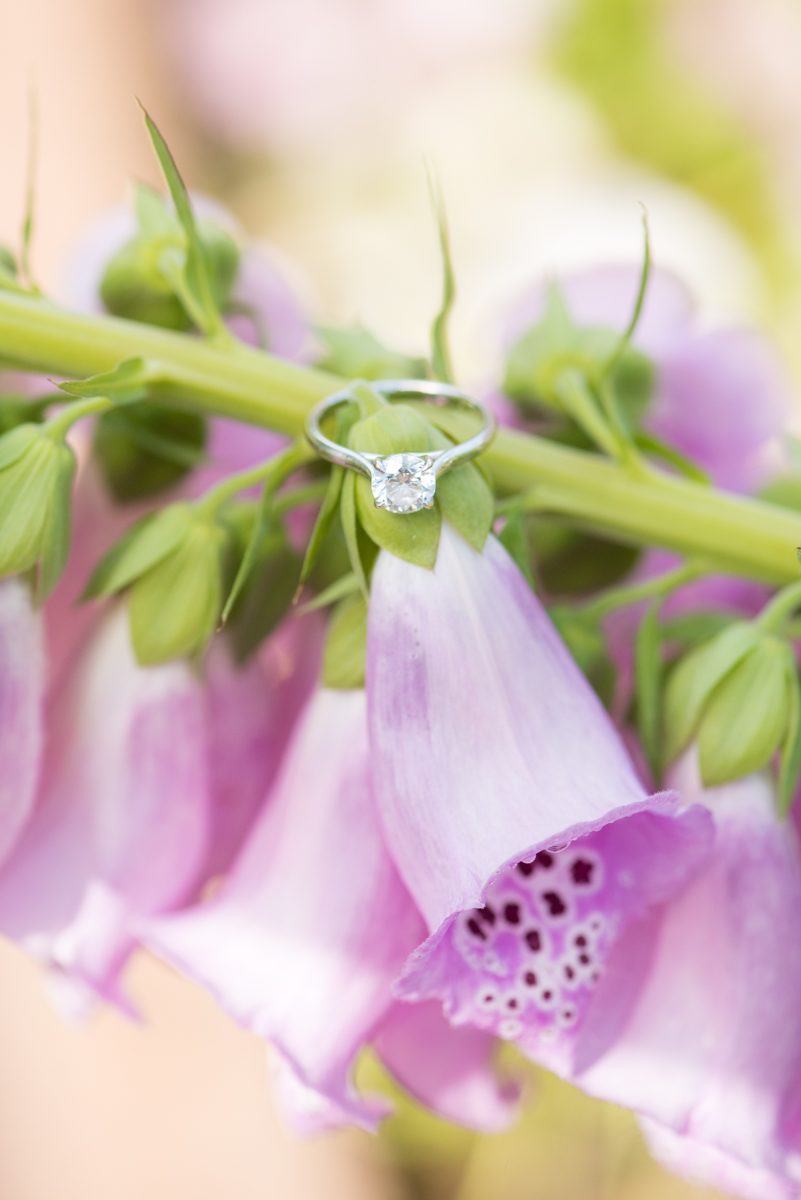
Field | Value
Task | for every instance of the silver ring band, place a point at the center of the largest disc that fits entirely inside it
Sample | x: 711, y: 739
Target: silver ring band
x: 403, y: 482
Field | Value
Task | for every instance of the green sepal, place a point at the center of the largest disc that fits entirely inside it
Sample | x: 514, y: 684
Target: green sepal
x: 129, y: 380
x: 410, y: 536
x: 350, y: 529
x: 745, y: 718
x: 56, y: 539
x: 356, y: 353
x: 440, y: 351
x: 267, y: 592
x: 790, y: 760
x: 514, y: 538
x: 174, y: 608
x: 345, y: 654
x: 16, y: 442
x: 189, y: 270
x: 648, y: 676
x: 465, y: 499
x: 140, y: 549
x: 36, y: 476
x: 696, y: 676
x: 145, y: 448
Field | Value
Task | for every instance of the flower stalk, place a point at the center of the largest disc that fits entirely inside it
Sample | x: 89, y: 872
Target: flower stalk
x: 735, y: 535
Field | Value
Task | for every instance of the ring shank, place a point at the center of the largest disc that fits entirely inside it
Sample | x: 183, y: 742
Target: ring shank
x: 402, y: 389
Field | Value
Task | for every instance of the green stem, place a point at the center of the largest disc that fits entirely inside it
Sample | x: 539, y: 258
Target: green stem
x: 733, y: 534
x: 60, y: 425
x: 649, y: 589
x: 275, y: 469
x: 778, y: 611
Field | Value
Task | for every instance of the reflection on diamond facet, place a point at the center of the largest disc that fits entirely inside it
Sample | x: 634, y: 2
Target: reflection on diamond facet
x: 403, y: 483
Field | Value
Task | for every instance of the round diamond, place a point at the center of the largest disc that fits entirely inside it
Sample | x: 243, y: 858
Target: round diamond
x: 404, y: 483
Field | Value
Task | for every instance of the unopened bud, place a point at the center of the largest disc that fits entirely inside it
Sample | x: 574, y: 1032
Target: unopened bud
x: 36, y: 474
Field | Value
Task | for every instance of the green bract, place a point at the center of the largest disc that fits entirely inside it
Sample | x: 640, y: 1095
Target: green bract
x: 463, y: 497
x: 172, y: 566
x: 36, y: 474
x: 356, y: 353
x: 732, y: 695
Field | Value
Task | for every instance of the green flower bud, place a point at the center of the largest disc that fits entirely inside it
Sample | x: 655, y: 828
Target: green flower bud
x: 140, y: 280
x: 556, y: 345
x: 171, y: 563
x: 175, y: 607
x: 731, y: 695
x: 36, y: 474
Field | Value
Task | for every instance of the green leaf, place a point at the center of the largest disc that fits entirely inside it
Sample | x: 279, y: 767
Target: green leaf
x: 145, y: 448
x: 356, y: 353
x: 514, y: 538
x: 323, y: 524
x: 175, y: 606
x: 648, y: 676
x: 345, y: 586
x: 466, y: 502
x: 345, y: 653
x: 143, y: 547
x: 790, y: 763
x: 129, y: 380
x: 696, y: 676
x: 745, y: 718
x: 350, y: 528
x: 440, y: 352
x: 193, y: 275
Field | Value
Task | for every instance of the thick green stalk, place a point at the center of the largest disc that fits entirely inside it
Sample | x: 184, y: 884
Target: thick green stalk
x: 742, y: 536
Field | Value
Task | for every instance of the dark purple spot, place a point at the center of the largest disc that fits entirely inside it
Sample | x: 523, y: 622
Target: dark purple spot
x: 581, y: 872
x: 584, y: 959
x: 568, y: 1014
x: 511, y: 1004
x: 543, y: 861
x: 554, y: 903
x: 534, y: 940
x: 580, y: 939
x: 511, y: 913
x: 547, y: 995
x: 530, y: 979
x: 476, y: 929
x: 486, y: 914
x: 569, y: 972
x: 525, y: 868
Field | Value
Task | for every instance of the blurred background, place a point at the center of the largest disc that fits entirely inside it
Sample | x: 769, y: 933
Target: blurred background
x: 547, y: 122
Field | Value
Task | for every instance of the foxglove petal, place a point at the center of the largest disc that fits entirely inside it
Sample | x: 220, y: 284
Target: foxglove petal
x: 509, y: 803
x: 712, y: 1050
x: 307, y: 933
x: 21, y: 703
x: 121, y: 821
x: 450, y: 1071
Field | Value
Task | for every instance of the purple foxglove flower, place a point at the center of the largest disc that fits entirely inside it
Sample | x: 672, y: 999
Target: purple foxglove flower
x: 310, y: 929
x: 21, y: 705
x: 509, y: 804
x: 121, y: 821
x: 710, y: 1054
x: 706, y: 382
x: 312, y: 925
